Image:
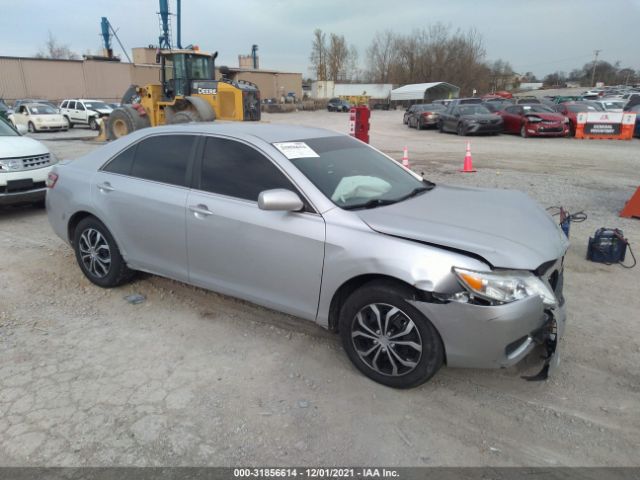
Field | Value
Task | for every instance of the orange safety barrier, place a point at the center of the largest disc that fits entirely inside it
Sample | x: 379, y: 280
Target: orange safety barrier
x: 605, y: 125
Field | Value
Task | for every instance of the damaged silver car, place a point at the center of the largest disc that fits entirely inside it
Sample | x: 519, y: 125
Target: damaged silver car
x: 316, y: 224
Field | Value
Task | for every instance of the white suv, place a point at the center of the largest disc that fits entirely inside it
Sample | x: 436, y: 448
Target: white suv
x: 24, y: 166
x: 84, y: 112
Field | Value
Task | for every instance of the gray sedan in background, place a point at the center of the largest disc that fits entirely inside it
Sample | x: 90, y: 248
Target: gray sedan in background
x: 319, y: 225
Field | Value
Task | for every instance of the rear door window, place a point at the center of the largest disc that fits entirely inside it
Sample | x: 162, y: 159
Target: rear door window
x: 164, y: 159
x: 72, y: 105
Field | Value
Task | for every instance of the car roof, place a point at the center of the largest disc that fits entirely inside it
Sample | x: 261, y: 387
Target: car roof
x: 266, y: 132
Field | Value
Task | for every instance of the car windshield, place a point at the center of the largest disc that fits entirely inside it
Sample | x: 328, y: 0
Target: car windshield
x: 613, y: 104
x: 536, y: 109
x: 581, y: 108
x: 95, y: 105
x: 42, y: 110
x: 354, y: 175
x: 473, y: 110
x: 6, y: 130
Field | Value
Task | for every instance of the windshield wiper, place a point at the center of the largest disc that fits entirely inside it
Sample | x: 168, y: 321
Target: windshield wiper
x: 374, y: 202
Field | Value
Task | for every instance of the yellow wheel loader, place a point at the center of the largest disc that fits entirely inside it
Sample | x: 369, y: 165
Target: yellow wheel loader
x: 187, y: 92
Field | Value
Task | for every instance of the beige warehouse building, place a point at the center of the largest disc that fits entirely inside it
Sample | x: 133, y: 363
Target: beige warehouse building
x: 55, y: 80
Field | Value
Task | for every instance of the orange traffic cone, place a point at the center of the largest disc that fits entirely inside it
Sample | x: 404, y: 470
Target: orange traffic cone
x: 405, y: 158
x: 632, y: 208
x: 468, y: 161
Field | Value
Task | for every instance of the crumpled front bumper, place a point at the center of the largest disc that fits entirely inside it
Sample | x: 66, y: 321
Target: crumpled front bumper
x: 477, y: 336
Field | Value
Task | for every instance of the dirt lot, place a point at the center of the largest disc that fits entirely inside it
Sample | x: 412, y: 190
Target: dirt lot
x: 194, y: 378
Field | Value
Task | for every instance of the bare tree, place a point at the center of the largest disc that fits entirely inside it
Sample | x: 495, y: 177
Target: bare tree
x: 381, y: 56
x: 53, y: 49
x: 431, y: 54
x: 337, y: 57
x: 318, y: 57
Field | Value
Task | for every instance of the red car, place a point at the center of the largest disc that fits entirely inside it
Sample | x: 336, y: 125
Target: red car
x: 534, y: 120
x: 571, y: 110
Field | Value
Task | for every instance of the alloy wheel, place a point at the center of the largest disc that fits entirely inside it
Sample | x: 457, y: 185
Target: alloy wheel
x: 386, y: 339
x: 95, y: 253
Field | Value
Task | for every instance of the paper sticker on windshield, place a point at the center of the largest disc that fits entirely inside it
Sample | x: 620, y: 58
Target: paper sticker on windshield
x: 296, y: 150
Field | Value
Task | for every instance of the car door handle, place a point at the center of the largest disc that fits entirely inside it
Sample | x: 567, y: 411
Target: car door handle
x: 105, y: 187
x: 200, y: 209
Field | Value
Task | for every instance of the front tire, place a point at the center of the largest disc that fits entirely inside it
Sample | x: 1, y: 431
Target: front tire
x: 523, y: 131
x: 461, y: 130
x: 98, y: 254
x: 387, y: 338
x: 31, y: 127
x: 93, y: 123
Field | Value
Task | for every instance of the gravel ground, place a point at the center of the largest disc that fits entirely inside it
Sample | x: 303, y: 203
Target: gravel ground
x: 190, y: 377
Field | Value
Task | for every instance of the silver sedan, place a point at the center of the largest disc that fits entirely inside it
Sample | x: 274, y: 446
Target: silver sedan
x: 319, y: 225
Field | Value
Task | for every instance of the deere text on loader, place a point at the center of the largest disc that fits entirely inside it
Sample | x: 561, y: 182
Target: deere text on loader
x: 187, y: 92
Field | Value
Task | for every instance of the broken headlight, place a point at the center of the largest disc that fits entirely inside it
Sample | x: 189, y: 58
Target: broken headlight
x: 504, y: 287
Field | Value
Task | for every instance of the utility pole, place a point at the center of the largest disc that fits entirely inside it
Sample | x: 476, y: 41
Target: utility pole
x: 593, y: 72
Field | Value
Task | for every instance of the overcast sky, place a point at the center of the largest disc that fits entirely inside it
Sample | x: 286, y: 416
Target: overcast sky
x: 541, y: 36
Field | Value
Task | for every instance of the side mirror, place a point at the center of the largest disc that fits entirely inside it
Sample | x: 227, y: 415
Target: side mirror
x: 22, y: 129
x: 280, y: 199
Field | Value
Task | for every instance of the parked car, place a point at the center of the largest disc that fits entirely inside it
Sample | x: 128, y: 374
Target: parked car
x: 611, y: 105
x: 527, y: 101
x: 381, y: 106
x: 409, y: 111
x: 319, y: 225
x: 84, y: 112
x: 425, y: 116
x: 24, y: 101
x: 495, y: 106
x: 534, y: 121
x: 5, y: 110
x: 443, y: 101
x: 454, y: 102
x: 38, y: 117
x: 338, y: 105
x: 467, y: 119
x: 571, y: 110
x: 24, y: 166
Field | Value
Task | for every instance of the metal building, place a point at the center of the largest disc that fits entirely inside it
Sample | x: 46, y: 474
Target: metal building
x: 424, y: 92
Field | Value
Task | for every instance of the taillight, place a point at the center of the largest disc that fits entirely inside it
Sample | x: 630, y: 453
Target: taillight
x: 52, y: 178
x: 427, y: 114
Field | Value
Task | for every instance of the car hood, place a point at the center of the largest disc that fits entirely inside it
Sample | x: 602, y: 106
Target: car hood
x: 49, y: 118
x: 556, y: 117
x: 505, y: 227
x: 20, y: 147
x: 481, y: 116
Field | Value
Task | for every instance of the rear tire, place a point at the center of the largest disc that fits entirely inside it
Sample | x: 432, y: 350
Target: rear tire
x: 98, y: 254
x: 68, y: 121
x: 409, y: 350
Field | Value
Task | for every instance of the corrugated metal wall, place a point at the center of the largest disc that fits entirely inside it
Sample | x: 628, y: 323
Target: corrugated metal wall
x: 59, y: 79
